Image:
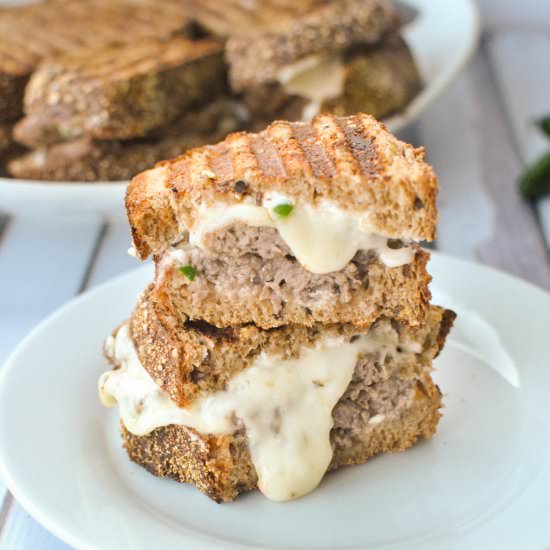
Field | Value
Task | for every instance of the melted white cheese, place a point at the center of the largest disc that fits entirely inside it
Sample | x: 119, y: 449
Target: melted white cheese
x: 284, y: 405
x: 322, y: 238
x: 315, y: 78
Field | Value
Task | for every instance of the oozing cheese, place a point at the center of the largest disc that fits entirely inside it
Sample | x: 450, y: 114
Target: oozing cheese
x: 323, y: 238
x: 315, y: 78
x: 284, y: 405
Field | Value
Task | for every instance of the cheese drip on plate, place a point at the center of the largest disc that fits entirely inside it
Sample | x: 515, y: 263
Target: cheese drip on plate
x: 285, y: 406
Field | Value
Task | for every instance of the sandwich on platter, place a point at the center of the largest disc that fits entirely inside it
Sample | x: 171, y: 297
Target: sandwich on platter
x: 288, y: 330
x: 343, y: 57
x: 111, y: 79
x: 30, y: 34
x: 119, y: 92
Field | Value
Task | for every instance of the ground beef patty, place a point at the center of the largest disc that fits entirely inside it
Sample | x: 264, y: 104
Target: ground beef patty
x: 252, y: 269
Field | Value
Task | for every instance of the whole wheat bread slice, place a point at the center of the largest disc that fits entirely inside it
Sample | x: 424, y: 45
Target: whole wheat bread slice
x: 354, y: 162
x: 378, y: 81
x: 221, y: 467
x: 85, y: 159
x: 5, y: 136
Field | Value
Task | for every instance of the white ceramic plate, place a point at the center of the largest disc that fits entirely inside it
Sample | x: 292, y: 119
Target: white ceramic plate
x: 482, y: 482
x: 442, y: 39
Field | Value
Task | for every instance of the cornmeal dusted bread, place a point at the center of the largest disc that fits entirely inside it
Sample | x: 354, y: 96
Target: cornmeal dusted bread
x: 385, y: 408
x: 221, y: 467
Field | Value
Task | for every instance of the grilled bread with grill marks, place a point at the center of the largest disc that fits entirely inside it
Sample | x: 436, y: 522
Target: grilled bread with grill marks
x: 30, y: 34
x: 119, y: 92
x: 354, y: 162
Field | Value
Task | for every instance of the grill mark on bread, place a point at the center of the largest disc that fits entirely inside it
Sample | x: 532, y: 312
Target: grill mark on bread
x: 361, y: 145
x: 107, y: 62
x: 195, y: 167
x: 394, y: 170
x: 31, y: 33
x: 314, y: 153
x: 222, y: 165
x: 267, y: 155
x: 243, y: 157
x: 44, y: 41
x: 291, y: 153
x: 34, y: 49
x: 141, y: 58
x: 335, y: 144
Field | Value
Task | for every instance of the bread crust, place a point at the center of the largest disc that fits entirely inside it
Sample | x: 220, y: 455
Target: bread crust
x: 354, y: 162
x: 5, y: 136
x: 379, y: 81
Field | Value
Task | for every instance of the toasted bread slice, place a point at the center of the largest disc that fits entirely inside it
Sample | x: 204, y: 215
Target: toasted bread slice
x: 32, y: 33
x: 248, y: 275
x: 119, y: 92
x: 353, y: 162
x: 379, y: 81
x: 84, y: 159
x: 256, y: 55
x: 192, y: 358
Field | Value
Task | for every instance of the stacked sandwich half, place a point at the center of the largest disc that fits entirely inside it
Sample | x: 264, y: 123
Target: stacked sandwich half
x: 288, y: 330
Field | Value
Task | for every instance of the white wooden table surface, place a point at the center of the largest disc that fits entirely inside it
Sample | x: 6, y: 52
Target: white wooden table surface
x: 478, y: 137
